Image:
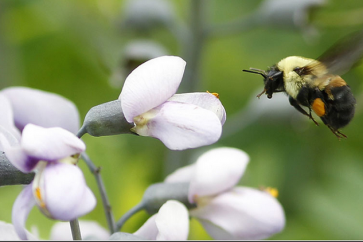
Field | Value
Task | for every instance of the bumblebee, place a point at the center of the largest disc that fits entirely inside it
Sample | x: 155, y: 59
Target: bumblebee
x: 316, y: 84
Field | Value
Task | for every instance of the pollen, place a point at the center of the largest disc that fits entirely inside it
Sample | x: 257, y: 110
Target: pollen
x: 38, y: 195
x: 319, y: 107
x: 273, y: 191
x: 214, y: 93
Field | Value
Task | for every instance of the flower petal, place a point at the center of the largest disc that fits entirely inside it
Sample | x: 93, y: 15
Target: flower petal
x: 7, y: 233
x: 7, y: 138
x: 64, y: 192
x: 50, y: 144
x: 242, y: 213
x: 172, y: 221
x: 150, y: 85
x: 148, y: 230
x: 204, y: 100
x: 181, y: 126
x: 21, y: 208
x: 216, y: 171
x: 90, y: 230
x: 7, y: 117
x: 19, y: 158
x: 183, y: 174
x: 42, y: 108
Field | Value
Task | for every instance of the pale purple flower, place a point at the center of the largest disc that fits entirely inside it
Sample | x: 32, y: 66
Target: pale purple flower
x: 170, y: 223
x: 180, y: 121
x: 41, y: 108
x: 59, y: 188
x: 225, y: 211
x: 7, y: 126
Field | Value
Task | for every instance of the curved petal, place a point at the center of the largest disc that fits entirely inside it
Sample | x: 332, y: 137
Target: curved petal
x: 150, y: 85
x: 63, y: 192
x: 204, y: 100
x: 148, y: 230
x: 19, y: 158
x: 7, y: 139
x: 50, y: 144
x: 181, y: 126
x: 216, y: 171
x: 183, y: 174
x: 42, y: 108
x: 242, y: 213
x: 90, y: 230
x: 172, y: 221
x: 21, y: 208
x: 7, y: 117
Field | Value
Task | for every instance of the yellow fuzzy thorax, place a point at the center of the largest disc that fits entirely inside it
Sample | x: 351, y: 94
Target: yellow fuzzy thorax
x: 292, y: 81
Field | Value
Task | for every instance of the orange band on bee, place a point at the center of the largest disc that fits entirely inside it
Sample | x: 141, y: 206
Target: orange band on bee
x: 319, y: 107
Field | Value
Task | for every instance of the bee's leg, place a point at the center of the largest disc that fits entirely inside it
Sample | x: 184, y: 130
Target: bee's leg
x: 296, y: 105
x: 337, y: 133
x: 259, y: 95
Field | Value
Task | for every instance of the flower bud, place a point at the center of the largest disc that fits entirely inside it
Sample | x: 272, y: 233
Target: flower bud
x: 9, y: 175
x: 134, y: 54
x: 158, y: 194
x: 105, y: 119
x: 289, y: 14
x: 143, y: 15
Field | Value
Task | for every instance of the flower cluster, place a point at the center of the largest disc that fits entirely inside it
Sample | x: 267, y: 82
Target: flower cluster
x: 226, y: 211
x: 58, y: 189
x: 38, y: 135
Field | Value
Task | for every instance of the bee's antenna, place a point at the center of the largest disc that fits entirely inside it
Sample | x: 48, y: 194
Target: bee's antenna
x: 257, y: 71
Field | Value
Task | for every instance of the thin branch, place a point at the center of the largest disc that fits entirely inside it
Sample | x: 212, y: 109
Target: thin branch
x: 106, y: 204
x: 129, y: 214
x: 76, y: 232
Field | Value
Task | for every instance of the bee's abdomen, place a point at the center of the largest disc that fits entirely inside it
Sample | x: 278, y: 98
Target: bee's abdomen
x: 340, y: 107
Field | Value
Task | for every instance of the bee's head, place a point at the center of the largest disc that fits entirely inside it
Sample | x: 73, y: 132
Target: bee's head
x: 273, y: 80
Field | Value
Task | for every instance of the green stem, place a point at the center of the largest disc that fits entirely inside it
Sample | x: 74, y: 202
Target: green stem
x: 129, y: 214
x: 101, y: 187
x: 76, y: 232
x: 193, y: 45
x: 106, y: 204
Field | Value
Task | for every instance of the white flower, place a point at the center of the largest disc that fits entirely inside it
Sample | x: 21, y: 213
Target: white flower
x: 180, y: 121
x: 170, y: 223
x: 228, y: 212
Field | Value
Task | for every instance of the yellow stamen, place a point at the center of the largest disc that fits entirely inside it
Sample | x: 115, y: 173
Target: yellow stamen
x: 214, y: 93
x: 39, y: 197
x: 273, y: 191
x: 76, y: 156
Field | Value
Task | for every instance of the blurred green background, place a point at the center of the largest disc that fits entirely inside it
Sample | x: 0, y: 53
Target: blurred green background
x: 78, y: 50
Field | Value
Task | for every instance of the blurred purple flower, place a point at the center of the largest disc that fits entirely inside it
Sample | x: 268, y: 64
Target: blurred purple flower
x: 180, y: 121
x: 170, y: 223
x: 225, y: 211
x: 59, y: 188
x: 41, y: 108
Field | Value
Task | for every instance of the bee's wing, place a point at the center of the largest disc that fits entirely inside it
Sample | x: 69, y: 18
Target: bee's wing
x: 342, y: 56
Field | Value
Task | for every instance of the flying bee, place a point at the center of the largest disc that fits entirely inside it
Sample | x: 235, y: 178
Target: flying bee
x: 317, y: 84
